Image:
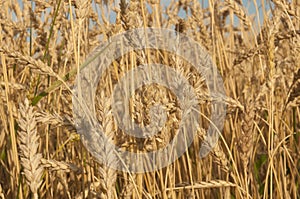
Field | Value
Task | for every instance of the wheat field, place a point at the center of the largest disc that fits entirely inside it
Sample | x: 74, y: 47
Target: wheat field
x: 44, y: 43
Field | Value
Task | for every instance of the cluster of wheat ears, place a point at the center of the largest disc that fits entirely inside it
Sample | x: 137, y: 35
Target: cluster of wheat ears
x: 43, y: 43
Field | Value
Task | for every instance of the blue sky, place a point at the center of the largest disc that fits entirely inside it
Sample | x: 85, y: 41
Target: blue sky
x: 249, y: 4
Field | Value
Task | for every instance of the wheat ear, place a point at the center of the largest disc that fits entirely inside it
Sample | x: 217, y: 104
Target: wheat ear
x: 108, y: 175
x: 29, y: 144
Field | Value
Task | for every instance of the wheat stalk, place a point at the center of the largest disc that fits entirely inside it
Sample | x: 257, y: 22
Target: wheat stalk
x: 204, y: 185
x: 1, y: 194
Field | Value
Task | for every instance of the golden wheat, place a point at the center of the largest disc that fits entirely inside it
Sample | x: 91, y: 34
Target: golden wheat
x: 255, y: 46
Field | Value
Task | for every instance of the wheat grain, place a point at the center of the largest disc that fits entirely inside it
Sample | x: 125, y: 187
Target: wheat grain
x: 294, y: 90
x: 238, y: 10
x: 128, y: 188
x: 54, y: 165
